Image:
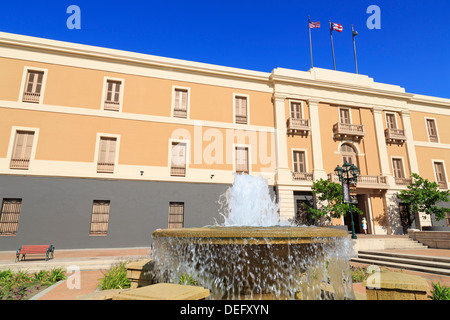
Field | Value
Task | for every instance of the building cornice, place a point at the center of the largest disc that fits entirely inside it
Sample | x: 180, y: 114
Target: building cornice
x: 126, y: 57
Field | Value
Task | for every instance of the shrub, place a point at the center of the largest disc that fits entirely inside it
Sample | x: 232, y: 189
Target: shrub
x: 115, y: 278
x: 439, y: 292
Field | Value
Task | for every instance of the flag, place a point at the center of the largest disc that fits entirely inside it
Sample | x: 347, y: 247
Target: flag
x: 336, y: 26
x: 313, y: 25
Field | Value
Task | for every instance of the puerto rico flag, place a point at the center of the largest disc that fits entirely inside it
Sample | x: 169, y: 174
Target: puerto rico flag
x: 336, y: 26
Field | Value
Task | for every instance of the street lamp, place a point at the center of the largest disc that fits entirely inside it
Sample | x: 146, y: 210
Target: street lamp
x: 348, y: 176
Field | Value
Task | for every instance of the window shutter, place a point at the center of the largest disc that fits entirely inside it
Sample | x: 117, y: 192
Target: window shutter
x: 345, y: 116
x: 296, y: 110
x: 390, y: 121
x: 299, y: 161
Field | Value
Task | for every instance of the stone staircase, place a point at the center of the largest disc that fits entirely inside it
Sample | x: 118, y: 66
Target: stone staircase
x: 414, y: 262
x: 387, y: 243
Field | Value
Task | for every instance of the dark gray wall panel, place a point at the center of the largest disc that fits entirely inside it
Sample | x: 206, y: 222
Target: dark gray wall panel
x: 58, y: 210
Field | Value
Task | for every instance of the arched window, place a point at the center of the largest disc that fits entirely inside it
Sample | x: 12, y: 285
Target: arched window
x: 349, y: 154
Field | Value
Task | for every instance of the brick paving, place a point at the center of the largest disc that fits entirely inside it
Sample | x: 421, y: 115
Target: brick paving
x: 89, y: 279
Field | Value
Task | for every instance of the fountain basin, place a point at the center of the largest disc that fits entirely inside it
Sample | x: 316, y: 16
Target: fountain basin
x: 233, y: 262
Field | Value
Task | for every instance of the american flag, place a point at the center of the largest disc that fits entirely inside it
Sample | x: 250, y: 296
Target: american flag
x: 336, y: 26
x: 313, y: 25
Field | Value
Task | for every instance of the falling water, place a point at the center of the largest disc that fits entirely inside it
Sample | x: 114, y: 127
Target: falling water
x: 252, y: 256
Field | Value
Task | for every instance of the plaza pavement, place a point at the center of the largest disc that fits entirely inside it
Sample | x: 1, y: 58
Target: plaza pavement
x: 93, y: 263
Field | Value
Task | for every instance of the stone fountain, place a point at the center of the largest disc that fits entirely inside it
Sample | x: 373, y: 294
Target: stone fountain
x: 253, y: 255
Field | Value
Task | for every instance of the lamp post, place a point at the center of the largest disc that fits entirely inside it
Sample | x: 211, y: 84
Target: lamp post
x: 348, y: 176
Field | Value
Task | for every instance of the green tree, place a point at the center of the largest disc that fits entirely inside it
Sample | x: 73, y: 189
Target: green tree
x: 331, y: 201
x: 423, y: 196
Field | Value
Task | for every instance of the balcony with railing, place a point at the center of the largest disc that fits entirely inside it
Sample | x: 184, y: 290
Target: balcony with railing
x: 302, y: 176
x: 105, y: 167
x: 178, y: 171
x: 180, y: 113
x: 298, y: 126
x: 365, y: 181
x: 19, y: 164
x: 111, y: 105
x: 31, y: 97
x: 402, y: 181
x: 348, y: 130
x: 395, y: 135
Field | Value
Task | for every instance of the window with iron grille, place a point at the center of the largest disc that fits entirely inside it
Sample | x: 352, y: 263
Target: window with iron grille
x: 33, y: 86
x: 9, y: 216
x: 100, y: 217
x: 112, y: 95
x: 23, y: 145
x: 176, y: 215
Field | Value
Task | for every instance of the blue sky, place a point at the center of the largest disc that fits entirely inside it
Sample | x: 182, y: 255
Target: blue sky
x: 412, y: 48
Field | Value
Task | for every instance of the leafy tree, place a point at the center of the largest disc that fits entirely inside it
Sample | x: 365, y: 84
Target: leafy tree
x: 424, y: 195
x: 331, y: 201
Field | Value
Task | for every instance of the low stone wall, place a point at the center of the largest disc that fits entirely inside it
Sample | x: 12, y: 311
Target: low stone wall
x: 432, y: 239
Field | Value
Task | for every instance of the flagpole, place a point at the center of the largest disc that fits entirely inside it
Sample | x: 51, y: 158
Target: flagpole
x: 310, y: 42
x: 332, y: 46
x: 354, y: 34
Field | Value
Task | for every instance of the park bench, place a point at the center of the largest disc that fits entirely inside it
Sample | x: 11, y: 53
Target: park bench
x: 46, y: 249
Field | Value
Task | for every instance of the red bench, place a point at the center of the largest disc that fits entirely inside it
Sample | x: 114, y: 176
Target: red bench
x: 46, y: 249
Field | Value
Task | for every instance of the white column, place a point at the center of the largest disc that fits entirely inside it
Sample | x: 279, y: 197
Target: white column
x: 286, y: 201
x: 381, y: 141
x: 410, y: 147
x: 283, y: 174
x: 318, y: 170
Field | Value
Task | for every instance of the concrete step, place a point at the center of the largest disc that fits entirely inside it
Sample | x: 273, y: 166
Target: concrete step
x: 422, y: 263
x: 387, y: 243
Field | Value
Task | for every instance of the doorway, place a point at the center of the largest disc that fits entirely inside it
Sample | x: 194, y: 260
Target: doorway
x: 357, y: 218
x: 405, y: 217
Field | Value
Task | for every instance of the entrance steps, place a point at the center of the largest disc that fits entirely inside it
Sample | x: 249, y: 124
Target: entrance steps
x: 414, y: 262
x: 387, y: 243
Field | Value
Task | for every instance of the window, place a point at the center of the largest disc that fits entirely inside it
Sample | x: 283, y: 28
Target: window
x: 348, y: 154
x: 9, y: 216
x: 106, y: 155
x: 432, y: 130
x: 440, y: 175
x: 23, y: 146
x: 390, y: 121
x: 176, y: 215
x: 296, y: 110
x: 33, y: 86
x: 241, y: 109
x: 178, y: 159
x: 397, y: 166
x: 100, y: 218
x: 299, y: 161
x: 180, y: 106
x: 344, y: 115
x: 241, y: 160
x: 112, y: 95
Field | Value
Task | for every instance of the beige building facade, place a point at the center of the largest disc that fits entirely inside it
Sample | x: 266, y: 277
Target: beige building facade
x: 153, y: 142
